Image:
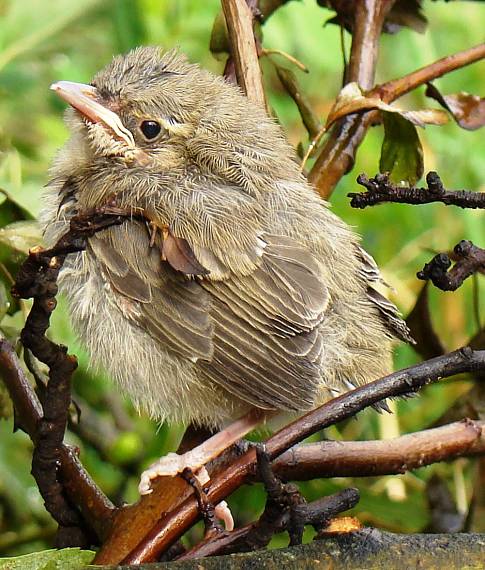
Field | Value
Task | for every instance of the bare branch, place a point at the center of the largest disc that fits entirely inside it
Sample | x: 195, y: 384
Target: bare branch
x: 392, y: 90
x: 471, y: 259
x: 97, y: 510
x: 381, y: 457
x: 380, y: 189
x: 257, y: 535
x: 239, y: 19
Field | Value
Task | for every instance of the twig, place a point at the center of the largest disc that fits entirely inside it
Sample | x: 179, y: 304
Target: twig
x: 471, y: 259
x: 406, y: 381
x: 37, y: 278
x: 381, y: 457
x: 271, y: 51
x: 289, y: 82
x: 239, y: 19
x: 97, y: 510
x: 380, y: 189
x: 392, y: 90
x: 337, y: 155
x: 257, y: 535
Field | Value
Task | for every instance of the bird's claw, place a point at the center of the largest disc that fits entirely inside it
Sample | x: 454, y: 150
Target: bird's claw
x: 169, y: 466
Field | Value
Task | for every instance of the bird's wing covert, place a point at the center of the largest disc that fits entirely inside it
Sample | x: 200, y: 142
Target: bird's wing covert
x: 267, y: 347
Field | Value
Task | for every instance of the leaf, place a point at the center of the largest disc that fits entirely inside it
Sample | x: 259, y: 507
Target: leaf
x: 428, y: 344
x: 219, y: 42
x: 401, y: 153
x: 11, y: 211
x: 467, y: 110
x: 21, y: 236
x: 351, y: 99
x: 72, y: 558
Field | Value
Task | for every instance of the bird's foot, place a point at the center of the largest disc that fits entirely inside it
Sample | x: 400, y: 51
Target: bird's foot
x: 210, y: 513
x: 168, y: 466
x: 189, y: 466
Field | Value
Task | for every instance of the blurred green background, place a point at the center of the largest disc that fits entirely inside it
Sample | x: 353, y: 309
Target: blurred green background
x: 41, y: 42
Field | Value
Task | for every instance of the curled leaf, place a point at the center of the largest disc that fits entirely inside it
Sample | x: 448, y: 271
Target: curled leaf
x: 351, y: 99
x: 468, y: 110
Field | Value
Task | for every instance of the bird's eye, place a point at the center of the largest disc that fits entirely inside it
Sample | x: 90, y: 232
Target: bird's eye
x: 150, y: 129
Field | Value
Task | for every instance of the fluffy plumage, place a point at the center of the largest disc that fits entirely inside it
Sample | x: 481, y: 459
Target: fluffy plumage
x: 252, y: 294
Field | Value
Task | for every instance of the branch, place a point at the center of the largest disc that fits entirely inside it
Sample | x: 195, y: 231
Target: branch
x: 257, y: 535
x: 381, y: 457
x: 37, y: 279
x: 337, y: 156
x: 392, y: 90
x: 369, y: 18
x: 471, y: 259
x: 380, y: 189
x: 406, y: 381
x: 95, y: 507
x: 239, y: 19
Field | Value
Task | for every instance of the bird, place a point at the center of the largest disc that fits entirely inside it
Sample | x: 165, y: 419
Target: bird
x: 232, y: 290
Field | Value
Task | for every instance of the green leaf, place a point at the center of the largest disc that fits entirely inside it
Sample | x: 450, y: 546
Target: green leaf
x: 11, y: 211
x: 21, y: 236
x: 72, y: 558
x: 401, y: 153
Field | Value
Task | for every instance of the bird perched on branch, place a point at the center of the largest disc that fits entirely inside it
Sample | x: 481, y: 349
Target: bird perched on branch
x: 233, y: 289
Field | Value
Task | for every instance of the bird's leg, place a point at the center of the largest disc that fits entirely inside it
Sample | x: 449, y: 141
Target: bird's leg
x: 173, y: 464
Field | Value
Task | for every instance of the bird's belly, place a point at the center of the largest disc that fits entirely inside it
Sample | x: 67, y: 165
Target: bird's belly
x: 158, y: 382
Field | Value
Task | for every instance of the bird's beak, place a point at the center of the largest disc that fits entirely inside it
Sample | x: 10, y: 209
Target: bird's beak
x: 86, y: 100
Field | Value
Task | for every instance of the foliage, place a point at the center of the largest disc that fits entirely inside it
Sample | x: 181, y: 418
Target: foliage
x: 41, y: 42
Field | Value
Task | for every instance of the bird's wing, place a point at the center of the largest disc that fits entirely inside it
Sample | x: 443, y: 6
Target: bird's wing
x: 389, y: 313
x: 171, y: 308
x: 255, y: 335
x: 267, y: 347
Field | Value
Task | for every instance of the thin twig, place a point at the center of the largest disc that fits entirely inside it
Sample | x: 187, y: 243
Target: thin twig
x: 471, y: 259
x: 380, y: 189
x: 392, y: 90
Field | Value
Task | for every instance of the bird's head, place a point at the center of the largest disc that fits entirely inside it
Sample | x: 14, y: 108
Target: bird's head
x: 140, y: 108
x: 155, y: 114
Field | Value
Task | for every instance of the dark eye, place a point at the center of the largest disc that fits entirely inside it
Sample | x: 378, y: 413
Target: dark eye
x: 150, y: 129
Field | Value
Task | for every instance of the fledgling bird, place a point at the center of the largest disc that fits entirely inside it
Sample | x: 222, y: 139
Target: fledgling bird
x: 237, y: 289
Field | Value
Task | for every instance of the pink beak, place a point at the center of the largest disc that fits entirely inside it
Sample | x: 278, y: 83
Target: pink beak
x: 85, y: 99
